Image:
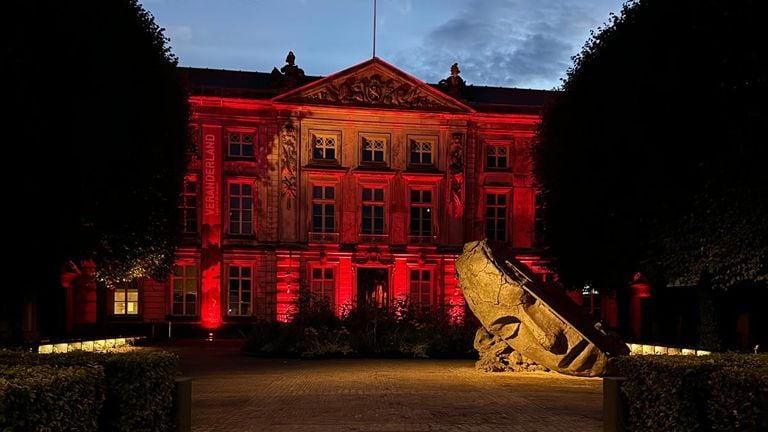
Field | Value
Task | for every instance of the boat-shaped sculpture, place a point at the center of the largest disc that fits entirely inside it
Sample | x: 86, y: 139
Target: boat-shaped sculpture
x: 542, y: 324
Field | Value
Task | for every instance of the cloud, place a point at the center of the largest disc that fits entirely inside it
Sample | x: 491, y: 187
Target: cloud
x: 517, y: 43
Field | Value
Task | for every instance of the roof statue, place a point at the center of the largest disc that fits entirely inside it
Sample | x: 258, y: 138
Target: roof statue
x: 454, y: 85
x: 289, y: 76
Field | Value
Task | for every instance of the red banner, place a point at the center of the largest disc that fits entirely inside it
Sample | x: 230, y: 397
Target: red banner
x: 210, y: 307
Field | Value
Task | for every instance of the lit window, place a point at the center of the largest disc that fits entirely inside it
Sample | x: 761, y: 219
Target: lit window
x: 241, y: 208
x: 496, y: 157
x: 421, y: 288
x: 324, y: 147
x: 126, y: 299
x: 496, y: 216
x: 323, y: 209
x: 373, y: 211
x: 421, y: 152
x: 240, y: 145
x: 184, y: 283
x: 240, y: 288
x: 322, y: 284
x: 188, y: 207
x: 421, y: 213
x: 374, y: 149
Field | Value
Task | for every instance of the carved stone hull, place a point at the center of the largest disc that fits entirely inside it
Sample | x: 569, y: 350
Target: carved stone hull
x: 543, y: 325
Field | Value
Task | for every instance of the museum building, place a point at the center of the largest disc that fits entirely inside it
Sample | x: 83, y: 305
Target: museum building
x: 359, y: 188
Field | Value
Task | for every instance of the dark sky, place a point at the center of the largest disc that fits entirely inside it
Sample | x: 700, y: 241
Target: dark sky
x: 514, y: 43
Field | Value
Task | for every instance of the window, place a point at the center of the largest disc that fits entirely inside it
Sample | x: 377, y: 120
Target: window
x: 324, y: 147
x: 240, y: 145
x: 496, y: 216
x: 374, y: 149
x: 241, y: 208
x: 322, y: 283
x: 126, y: 299
x: 421, y: 152
x: 323, y: 209
x: 538, y: 223
x: 421, y: 288
x: 496, y: 157
x: 373, y: 211
x: 240, y: 288
x: 188, y: 207
x: 184, y: 282
x: 421, y: 212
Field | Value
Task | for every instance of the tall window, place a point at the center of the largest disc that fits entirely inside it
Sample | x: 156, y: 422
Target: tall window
x: 323, y: 209
x: 240, y: 145
x: 188, y: 207
x: 421, y: 152
x: 373, y: 149
x: 421, y: 288
x: 421, y: 212
x: 240, y: 208
x: 496, y: 216
x: 322, y: 283
x: 496, y: 157
x: 184, y: 282
x: 324, y: 147
x: 538, y: 221
x: 240, y: 288
x: 373, y: 211
x: 126, y: 299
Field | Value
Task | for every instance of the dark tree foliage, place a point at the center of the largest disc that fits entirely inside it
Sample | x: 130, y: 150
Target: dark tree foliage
x: 652, y: 158
x: 98, y: 125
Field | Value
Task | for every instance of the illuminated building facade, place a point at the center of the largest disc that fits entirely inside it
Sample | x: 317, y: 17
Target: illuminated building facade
x: 360, y: 187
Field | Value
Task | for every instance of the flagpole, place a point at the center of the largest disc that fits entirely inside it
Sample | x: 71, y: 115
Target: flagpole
x: 374, y: 28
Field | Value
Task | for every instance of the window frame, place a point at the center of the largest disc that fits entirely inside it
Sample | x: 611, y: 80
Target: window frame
x: 428, y: 206
x: 507, y: 147
x: 185, y: 208
x: 241, y: 220
x: 126, y: 288
x: 240, y: 278
x: 323, y: 201
x: 365, y: 137
x: 184, y: 277
x: 312, y: 137
x: 422, y: 139
x: 254, y: 136
x: 325, y: 283
x: 505, y: 208
x: 430, y: 285
x: 374, y: 204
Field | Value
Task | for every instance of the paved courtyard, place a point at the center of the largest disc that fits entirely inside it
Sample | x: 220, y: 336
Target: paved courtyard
x: 232, y: 392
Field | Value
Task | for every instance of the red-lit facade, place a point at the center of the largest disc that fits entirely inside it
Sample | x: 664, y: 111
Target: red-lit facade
x: 360, y: 187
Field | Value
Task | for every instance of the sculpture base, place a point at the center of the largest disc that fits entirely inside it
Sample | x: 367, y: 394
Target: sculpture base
x: 498, y: 356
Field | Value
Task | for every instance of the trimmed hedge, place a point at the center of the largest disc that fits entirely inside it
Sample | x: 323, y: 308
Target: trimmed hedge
x: 138, y: 385
x: 719, y: 392
x: 46, y: 398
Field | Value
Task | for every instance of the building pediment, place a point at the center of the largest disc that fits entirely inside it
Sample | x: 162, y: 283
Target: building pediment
x: 374, y: 84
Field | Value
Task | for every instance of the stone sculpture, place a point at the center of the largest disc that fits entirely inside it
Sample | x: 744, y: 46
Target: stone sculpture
x: 542, y: 325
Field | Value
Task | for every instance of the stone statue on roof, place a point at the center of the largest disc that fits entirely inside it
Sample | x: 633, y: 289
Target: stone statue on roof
x: 454, y: 85
x: 289, y: 76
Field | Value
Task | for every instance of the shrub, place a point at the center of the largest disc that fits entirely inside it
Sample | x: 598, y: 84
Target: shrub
x: 139, y: 385
x: 47, y: 398
x: 398, y: 331
x: 720, y: 392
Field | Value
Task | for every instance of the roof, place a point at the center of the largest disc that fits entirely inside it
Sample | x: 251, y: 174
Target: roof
x: 258, y: 85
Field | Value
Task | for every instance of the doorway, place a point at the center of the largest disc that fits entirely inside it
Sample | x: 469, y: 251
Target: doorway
x: 372, y: 287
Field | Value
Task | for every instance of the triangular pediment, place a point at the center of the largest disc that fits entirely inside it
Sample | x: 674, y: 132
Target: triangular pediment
x: 374, y: 84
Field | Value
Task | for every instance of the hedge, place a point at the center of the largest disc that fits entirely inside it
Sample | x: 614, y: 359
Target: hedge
x: 719, y: 392
x: 139, y: 385
x: 46, y: 398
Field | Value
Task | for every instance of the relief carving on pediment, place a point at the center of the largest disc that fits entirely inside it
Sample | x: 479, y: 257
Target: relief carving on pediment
x: 376, y: 90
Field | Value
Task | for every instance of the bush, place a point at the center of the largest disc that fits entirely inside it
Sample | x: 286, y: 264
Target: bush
x: 47, y: 398
x: 720, y: 392
x: 139, y: 385
x: 399, y: 331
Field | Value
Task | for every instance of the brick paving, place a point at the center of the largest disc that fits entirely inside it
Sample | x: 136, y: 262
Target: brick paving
x: 232, y: 392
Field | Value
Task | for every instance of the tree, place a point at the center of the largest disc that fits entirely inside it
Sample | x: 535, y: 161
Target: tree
x: 99, y: 121
x: 652, y: 156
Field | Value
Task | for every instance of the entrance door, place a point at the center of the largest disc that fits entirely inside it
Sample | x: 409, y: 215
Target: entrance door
x: 372, y: 287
